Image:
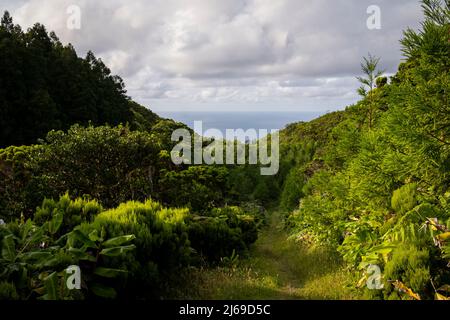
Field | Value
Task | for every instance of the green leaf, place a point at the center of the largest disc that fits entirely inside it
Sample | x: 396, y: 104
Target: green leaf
x: 80, y: 254
x: 9, y: 248
x: 103, y: 291
x: 93, y: 236
x: 37, y: 236
x: 115, y: 242
x: 26, y: 228
x: 117, y: 251
x: 109, y: 273
x: 36, y: 257
x: 55, y: 223
x: 78, y: 236
x: 51, y: 287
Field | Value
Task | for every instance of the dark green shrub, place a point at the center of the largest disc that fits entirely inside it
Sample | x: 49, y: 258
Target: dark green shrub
x: 34, y: 259
x: 223, y: 231
x: 112, y: 165
x: 19, y: 192
x: 74, y: 212
x: 8, y: 291
x: 292, y: 190
x: 213, y: 239
x: 162, y: 244
x: 199, y: 188
x: 237, y: 218
x: 405, y: 198
x: 411, y: 266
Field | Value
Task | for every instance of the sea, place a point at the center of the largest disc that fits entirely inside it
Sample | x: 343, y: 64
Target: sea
x: 238, y: 120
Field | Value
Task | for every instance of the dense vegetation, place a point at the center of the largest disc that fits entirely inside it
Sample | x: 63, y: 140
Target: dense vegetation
x: 45, y: 86
x: 376, y: 186
x: 94, y: 185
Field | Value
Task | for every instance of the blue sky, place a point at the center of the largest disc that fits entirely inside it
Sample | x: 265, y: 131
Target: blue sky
x: 233, y: 55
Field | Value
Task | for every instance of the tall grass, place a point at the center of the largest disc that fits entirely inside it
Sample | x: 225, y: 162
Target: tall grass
x: 277, y: 269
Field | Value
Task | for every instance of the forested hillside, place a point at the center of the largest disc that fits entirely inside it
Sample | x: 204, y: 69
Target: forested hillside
x: 375, y: 185
x: 86, y: 180
x: 45, y: 86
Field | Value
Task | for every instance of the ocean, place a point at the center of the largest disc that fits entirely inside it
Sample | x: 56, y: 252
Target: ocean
x: 239, y: 120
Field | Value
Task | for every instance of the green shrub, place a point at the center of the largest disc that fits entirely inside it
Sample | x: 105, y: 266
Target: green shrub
x: 8, y: 291
x: 213, y: 239
x: 237, y: 218
x: 19, y: 191
x: 162, y: 244
x: 74, y: 212
x: 112, y: 165
x: 34, y: 259
x: 199, y: 188
x: 292, y: 190
x: 223, y: 231
x: 404, y: 199
x: 411, y: 266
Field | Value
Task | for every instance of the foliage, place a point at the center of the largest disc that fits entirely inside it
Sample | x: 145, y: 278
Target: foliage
x: 222, y: 232
x: 197, y: 187
x: 404, y: 199
x: 72, y: 212
x: 292, y: 190
x: 162, y: 244
x: 377, y: 185
x: 34, y: 259
x: 111, y: 165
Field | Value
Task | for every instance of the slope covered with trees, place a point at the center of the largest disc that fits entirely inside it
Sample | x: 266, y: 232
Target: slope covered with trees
x: 86, y: 179
x: 376, y: 186
x: 93, y: 185
x: 44, y: 85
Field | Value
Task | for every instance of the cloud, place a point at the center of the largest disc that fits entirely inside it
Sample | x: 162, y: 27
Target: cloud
x: 219, y: 54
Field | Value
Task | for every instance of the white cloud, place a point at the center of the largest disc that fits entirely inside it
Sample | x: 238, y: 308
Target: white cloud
x: 224, y: 54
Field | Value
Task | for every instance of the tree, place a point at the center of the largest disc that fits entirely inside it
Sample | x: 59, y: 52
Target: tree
x: 7, y: 22
x: 371, y: 72
x: 44, y: 85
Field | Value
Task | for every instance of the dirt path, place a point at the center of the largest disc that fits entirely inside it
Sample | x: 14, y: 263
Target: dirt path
x: 278, y: 269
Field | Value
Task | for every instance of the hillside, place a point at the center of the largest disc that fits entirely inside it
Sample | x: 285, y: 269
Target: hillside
x: 360, y: 207
x: 45, y: 85
x: 375, y: 182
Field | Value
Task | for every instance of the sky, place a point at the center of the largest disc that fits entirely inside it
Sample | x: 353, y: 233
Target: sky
x: 230, y: 55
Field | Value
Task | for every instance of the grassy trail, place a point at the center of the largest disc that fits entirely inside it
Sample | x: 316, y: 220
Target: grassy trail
x: 277, y: 269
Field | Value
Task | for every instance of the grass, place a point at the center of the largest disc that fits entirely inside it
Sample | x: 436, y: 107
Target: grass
x: 277, y: 269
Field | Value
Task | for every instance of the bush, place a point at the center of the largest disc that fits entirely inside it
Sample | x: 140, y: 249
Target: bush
x: 199, y: 188
x: 112, y: 165
x: 8, y: 291
x: 162, y: 244
x: 34, y: 259
x: 223, y: 231
x: 74, y: 212
x: 237, y: 218
x: 409, y: 265
x: 292, y: 190
x: 404, y: 199
x: 19, y: 192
